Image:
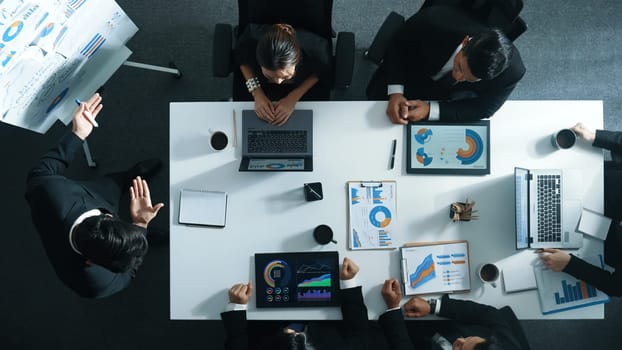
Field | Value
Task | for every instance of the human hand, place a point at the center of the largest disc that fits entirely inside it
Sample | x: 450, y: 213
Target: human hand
x: 554, y: 259
x: 283, y: 109
x: 348, y: 269
x: 141, y: 210
x: 240, y: 293
x: 584, y: 132
x: 82, y: 127
x: 397, y: 110
x: 417, y: 110
x: 416, y: 307
x: 392, y: 293
x: 263, y: 106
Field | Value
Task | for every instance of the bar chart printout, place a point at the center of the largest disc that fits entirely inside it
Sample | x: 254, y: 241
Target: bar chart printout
x: 559, y: 291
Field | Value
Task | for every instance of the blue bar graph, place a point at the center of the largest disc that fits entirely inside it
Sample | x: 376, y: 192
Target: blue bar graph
x: 579, y: 291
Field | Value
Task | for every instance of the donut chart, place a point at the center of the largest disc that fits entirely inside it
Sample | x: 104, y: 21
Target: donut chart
x: 474, y: 150
x: 380, y: 216
x: 423, y: 157
x: 277, y: 273
x: 423, y: 135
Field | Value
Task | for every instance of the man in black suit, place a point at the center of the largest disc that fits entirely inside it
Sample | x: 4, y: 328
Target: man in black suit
x: 473, y: 326
x: 558, y: 260
x: 93, y: 252
x: 353, y: 331
x: 444, y: 65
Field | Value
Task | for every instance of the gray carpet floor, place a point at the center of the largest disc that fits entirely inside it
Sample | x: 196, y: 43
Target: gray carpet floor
x: 572, y: 51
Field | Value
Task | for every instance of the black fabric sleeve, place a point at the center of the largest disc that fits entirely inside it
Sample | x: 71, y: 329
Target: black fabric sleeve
x: 355, y: 319
x: 611, y: 140
x: 395, y: 331
x: 57, y: 159
x: 608, y: 282
x: 236, y: 328
x: 467, y: 311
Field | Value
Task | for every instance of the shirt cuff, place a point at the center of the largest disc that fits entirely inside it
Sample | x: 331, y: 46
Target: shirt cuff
x: 437, y: 309
x: 435, y: 112
x: 393, y: 309
x: 395, y: 89
x: 347, y: 284
x: 236, y: 307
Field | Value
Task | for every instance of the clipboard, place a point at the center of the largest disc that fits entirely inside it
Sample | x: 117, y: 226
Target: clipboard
x: 436, y: 267
x: 372, y: 208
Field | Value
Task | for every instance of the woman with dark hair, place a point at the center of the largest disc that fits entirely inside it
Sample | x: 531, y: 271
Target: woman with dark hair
x: 284, y: 65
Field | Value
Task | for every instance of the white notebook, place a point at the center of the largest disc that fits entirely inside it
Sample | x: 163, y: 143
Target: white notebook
x: 208, y: 208
x: 518, y: 278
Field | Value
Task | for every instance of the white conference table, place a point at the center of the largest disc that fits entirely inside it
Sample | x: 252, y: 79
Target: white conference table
x: 352, y: 141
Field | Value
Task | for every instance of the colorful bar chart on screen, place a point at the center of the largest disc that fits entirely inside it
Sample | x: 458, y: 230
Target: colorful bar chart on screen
x: 559, y: 291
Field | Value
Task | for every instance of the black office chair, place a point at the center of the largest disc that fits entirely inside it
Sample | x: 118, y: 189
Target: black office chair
x: 312, y: 15
x: 502, y: 14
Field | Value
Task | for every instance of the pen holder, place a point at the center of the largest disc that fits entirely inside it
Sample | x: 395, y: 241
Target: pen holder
x: 462, y: 211
x: 313, y: 191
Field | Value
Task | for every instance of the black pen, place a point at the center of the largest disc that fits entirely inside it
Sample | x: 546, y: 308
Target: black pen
x: 393, y: 153
x: 317, y: 195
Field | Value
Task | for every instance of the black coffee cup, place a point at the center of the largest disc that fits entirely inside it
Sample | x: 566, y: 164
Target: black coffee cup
x: 219, y: 141
x: 489, y: 273
x: 323, y: 234
x: 564, y: 139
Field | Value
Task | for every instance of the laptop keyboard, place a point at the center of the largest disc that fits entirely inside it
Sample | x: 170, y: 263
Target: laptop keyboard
x: 549, y: 208
x: 277, y: 141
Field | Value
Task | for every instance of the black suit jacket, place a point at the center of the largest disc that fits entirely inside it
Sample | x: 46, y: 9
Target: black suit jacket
x: 55, y: 203
x: 354, y: 327
x: 470, y: 319
x: 420, y: 49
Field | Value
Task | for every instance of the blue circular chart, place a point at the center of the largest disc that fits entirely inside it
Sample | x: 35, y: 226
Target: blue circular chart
x: 380, y: 211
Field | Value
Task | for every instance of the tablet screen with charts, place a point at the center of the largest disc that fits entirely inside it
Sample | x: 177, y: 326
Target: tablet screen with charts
x: 448, y: 148
x: 297, y: 279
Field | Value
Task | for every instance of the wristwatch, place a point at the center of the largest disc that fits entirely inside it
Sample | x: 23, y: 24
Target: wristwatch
x: 252, y: 84
x: 432, y: 303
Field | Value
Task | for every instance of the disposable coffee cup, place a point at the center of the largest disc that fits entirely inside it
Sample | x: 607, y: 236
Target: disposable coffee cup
x: 489, y: 274
x: 564, y: 139
x: 323, y: 234
x: 218, y: 141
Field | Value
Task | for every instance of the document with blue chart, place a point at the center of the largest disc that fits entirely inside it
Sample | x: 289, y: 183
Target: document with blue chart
x: 436, y: 267
x: 558, y: 291
x: 297, y: 279
x: 444, y: 148
x: 371, y: 214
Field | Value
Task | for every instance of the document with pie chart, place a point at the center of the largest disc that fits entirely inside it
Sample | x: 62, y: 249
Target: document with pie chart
x: 442, y: 148
x: 371, y: 214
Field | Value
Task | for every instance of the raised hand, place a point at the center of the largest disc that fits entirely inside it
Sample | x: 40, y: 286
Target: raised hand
x: 141, y: 210
x: 240, y: 293
x: 348, y: 269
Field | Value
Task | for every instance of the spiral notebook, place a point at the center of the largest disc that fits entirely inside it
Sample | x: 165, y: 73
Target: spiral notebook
x: 206, y: 208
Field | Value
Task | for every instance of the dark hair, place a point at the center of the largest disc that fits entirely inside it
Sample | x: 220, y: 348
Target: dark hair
x: 111, y: 243
x: 284, y: 341
x: 278, y: 48
x: 488, y: 53
x: 490, y: 343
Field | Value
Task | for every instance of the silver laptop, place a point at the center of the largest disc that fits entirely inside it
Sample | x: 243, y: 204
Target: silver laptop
x: 547, y: 215
x: 267, y: 147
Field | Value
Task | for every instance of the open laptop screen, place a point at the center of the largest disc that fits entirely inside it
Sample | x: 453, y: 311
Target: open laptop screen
x: 521, y: 185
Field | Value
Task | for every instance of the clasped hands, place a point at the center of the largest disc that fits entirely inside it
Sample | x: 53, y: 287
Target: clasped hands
x: 392, y: 295
x: 277, y: 113
x: 401, y: 111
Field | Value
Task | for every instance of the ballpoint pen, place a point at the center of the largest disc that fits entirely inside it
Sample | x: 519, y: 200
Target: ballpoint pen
x: 393, y: 153
x: 311, y: 190
x: 88, y: 114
